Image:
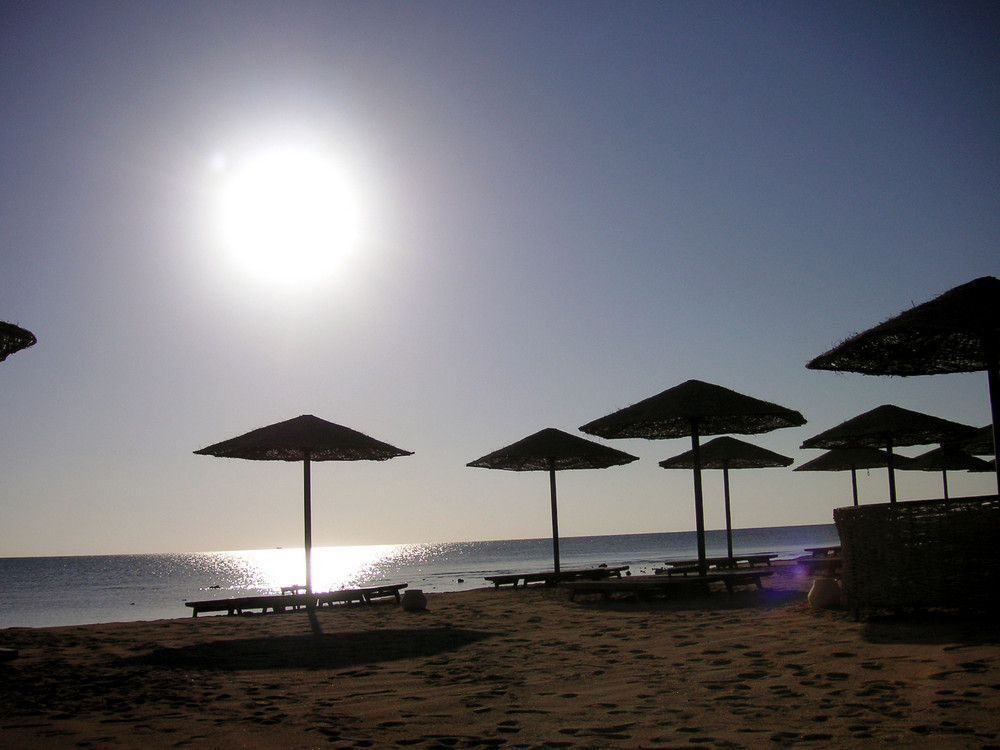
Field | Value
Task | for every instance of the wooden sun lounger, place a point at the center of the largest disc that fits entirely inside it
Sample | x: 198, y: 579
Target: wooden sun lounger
x: 821, y: 566
x: 362, y: 595
x: 283, y: 602
x: 550, y: 577
x: 683, y: 567
x: 239, y: 605
x: 665, y: 586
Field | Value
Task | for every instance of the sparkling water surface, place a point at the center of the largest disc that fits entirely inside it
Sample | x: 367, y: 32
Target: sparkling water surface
x: 50, y: 591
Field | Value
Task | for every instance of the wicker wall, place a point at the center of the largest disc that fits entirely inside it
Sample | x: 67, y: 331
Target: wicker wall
x: 933, y: 553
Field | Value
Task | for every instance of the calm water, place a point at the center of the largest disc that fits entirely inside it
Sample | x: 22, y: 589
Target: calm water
x: 47, y: 591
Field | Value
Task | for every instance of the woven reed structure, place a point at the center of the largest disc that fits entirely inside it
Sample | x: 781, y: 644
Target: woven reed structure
x: 921, y: 555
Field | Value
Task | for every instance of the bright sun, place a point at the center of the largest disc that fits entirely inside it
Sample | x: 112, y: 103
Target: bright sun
x: 288, y: 215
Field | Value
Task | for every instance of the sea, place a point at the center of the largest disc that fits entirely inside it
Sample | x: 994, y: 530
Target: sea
x: 52, y: 591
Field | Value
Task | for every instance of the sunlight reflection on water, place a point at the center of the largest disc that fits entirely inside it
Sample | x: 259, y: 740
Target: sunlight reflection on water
x: 332, y: 567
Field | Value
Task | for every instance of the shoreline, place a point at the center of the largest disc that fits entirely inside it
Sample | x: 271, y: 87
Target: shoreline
x: 512, y: 668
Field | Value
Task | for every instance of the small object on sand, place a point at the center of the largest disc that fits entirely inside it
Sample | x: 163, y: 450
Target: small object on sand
x: 461, y: 580
x: 414, y: 600
x: 825, y: 593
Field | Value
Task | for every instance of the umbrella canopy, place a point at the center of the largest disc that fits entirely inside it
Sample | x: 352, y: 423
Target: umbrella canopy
x: 553, y: 450
x: 728, y: 453
x: 959, y: 331
x: 981, y: 444
x: 694, y: 408
x: 305, y: 438
x: 842, y: 459
x: 888, y: 427
x: 946, y: 458
x: 13, y: 339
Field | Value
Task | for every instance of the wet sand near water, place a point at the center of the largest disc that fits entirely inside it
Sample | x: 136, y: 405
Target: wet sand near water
x: 513, y: 669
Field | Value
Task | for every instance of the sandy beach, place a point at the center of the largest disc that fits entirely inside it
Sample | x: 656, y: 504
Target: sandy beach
x: 512, y: 669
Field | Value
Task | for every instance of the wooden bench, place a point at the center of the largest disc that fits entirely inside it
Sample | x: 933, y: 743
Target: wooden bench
x: 242, y: 604
x: 684, y: 567
x: 821, y: 566
x: 550, y: 577
x: 639, y: 587
x: 361, y: 595
x: 665, y: 586
x: 734, y: 578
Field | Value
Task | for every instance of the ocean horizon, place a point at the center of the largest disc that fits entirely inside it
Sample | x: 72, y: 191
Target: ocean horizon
x: 88, y: 589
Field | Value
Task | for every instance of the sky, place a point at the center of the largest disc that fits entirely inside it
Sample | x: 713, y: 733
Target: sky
x: 561, y: 208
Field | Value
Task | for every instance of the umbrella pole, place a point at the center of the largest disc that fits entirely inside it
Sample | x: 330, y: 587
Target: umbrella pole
x: 307, y: 493
x: 699, y: 504
x: 993, y: 374
x: 854, y: 484
x: 555, y: 515
x: 892, y: 470
x: 729, y: 522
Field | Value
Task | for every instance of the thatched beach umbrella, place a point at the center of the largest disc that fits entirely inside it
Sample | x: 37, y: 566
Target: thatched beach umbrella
x: 553, y: 450
x: 842, y: 459
x: 13, y: 339
x: 728, y: 453
x: 946, y: 458
x: 958, y: 331
x: 694, y: 408
x: 306, y: 439
x: 981, y: 444
x: 889, y: 427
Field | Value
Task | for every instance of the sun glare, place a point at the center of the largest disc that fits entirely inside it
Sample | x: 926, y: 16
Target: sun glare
x: 288, y: 215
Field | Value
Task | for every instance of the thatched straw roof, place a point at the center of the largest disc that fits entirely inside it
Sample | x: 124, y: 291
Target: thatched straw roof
x: 13, y: 339
x: 950, y: 333
x: 947, y: 459
x: 897, y: 425
x: 301, y: 438
x: 715, y: 410
x: 728, y: 453
x: 844, y: 459
x: 981, y: 444
x: 553, y: 449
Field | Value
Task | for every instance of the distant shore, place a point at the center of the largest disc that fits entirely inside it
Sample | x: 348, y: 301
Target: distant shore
x: 507, y: 669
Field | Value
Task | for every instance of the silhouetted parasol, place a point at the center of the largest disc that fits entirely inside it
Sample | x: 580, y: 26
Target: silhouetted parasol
x: 728, y: 453
x: 694, y: 408
x: 888, y: 427
x: 981, y: 444
x: 553, y: 450
x: 959, y: 331
x: 842, y: 459
x: 306, y: 439
x: 13, y: 339
x: 945, y: 459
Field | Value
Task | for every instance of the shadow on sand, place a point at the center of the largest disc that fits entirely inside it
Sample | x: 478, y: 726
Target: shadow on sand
x: 716, y: 600
x: 317, y: 651
x: 932, y: 628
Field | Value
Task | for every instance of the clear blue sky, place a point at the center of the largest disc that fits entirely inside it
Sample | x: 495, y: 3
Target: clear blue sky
x: 568, y: 207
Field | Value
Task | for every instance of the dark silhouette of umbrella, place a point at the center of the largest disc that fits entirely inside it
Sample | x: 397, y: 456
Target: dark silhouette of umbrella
x: 553, y: 450
x: 888, y: 427
x: 959, y: 331
x: 842, y: 459
x: 981, y: 444
x: 306, y: 439
x: 946, y: 458
x: 13, y: 339
x: 728, y: 453
x: 694, y: 408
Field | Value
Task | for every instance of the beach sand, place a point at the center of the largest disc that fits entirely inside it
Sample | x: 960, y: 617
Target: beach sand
x: 512, y: 669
